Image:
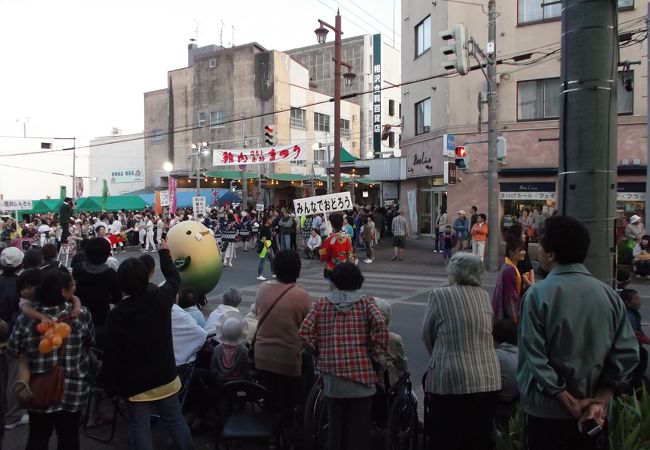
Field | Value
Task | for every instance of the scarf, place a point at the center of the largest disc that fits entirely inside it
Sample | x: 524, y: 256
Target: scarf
x: 514, y: 266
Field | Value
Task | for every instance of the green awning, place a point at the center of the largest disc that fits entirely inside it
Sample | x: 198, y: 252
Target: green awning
x: 46, y: 205
x: 344, y: 178
x: 89, y: 204
x: 230, y: 174
x: 346, y: 157
x: 288, y: 177
x: 113, y: 203
x: 367, y: 181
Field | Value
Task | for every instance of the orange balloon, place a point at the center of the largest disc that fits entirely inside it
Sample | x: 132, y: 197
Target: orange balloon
x: 56, y: 341
x: 62, y: 329
x: 45, y: 346
x: 42, y: 328
x: 49, y: 333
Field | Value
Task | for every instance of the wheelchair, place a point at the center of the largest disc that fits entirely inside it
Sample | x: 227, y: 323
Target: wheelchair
x: 394, y: 411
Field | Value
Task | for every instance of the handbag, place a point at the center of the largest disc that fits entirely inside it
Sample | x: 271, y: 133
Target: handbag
x: 48, y: 387
x: 251, y: 350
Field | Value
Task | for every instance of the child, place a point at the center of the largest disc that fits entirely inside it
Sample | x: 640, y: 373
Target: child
x: 187, y: 299
x: 396, y: 360
x: 230, y: 358
x: 26, y: 286
x: 447, y: 243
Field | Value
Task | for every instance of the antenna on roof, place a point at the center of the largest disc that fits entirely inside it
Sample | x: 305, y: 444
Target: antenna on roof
x: 196, y: 31
x: 221, y: 35
x: 232, y: 41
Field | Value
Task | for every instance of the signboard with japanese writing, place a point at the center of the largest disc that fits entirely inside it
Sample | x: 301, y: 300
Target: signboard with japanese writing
x: 173, y: 184
x: 319, y: 204
x: 630, y: 196
x: 15, y: 205
x: 449, y: 172
x: 448, y: 145
x: 527, y: 195
x: 527, y: 191
x: 259, y: 207
x: 198, y: 205
x: 376, y: 92
x: 164, y: 198
x: 265, y: 155
x: 126, y: 175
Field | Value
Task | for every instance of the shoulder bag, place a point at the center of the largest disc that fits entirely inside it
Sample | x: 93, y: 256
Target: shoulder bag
x: 48, y: 387
x: 251, y: 351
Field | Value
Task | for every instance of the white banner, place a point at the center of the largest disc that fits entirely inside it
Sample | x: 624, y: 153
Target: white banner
x: 198, y: 205
x: 259, y: 207
x: 309, y: 206
x: 164, y: 198
x: 411, y: 198
x: 527, y: 195
x: 265, y: 155
x: 15, y: 205
x: 630, y: 196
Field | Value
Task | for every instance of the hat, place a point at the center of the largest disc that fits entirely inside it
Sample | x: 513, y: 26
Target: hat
x: 231, y: 328
x: 11, y: 257
x: 623, y: 278
x: 634, y: 219
x: 462, y: 211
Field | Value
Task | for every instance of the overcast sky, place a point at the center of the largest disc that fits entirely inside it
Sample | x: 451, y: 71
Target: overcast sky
x: 80, y: 68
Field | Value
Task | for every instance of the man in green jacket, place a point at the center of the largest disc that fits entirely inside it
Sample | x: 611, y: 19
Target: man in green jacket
x: 575, y: 344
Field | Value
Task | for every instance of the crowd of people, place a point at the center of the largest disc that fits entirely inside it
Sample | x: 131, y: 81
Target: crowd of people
x: 135, y: 339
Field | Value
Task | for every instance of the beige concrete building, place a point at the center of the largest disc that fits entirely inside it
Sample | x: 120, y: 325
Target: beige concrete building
x: 529, y: 107
x: 118, y: 159
x: 226, y: 96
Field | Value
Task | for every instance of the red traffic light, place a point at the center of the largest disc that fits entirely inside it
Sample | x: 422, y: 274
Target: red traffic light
x: 268, y: 128
x: 461, y: 152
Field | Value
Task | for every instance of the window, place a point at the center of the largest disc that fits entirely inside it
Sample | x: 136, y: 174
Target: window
x: 391, y: 107
x: 625, y: 4
x: 46, y: 145
x: 213, y: 63
x: 532, y: 11
x: 321, y: 122
x: 157, y: 136
x: 216, y: 119
x: 538, y: 99
x: 202, y: 119
x: 423, y: 36
x: 320, y: 155
x: 391, y: 139
x: 625, y: 91
x: 345, y: 127
x: 423, y: 116
x: 298, y: 118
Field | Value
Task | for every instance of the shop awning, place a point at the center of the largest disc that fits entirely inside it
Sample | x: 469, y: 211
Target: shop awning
x: 230, y: 174
x: 89, y: 204
x: 46, y: 205
x: 289, y: 177
x: 346, y: 157
x: 367, y: 181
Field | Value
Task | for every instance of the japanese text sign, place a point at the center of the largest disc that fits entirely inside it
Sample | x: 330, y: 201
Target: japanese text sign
x: 198, y: 205
x: 15, y: 205
x: 259, y: 155
x: 322, y: 204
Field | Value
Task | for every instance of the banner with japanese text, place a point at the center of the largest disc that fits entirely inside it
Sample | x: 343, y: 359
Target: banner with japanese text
x: 172, y: 195
x: 265, y: 155
x: 15, y: 205
x: 321, y: 204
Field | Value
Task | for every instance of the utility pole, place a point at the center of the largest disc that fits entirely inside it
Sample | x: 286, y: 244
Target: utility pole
x: 74, y: 168
x: 588, y: 118
x: 244, y: 180
x: 647, y: 177
x: 493, y: 125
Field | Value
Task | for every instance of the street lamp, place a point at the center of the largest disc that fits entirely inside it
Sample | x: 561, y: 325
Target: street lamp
x: 198, y: 150
x: 321, y: 35
x: 168, y: 167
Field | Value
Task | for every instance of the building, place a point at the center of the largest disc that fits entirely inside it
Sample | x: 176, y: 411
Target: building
x: 118, y: 160
x: 359, y: 52
x: 226, y: 97
x: 528, y: 108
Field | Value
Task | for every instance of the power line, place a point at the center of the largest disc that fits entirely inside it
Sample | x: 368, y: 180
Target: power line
x: 390, y: 29
x: 40, y: 171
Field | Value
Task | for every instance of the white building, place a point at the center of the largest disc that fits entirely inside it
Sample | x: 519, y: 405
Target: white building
x: 120, y: 161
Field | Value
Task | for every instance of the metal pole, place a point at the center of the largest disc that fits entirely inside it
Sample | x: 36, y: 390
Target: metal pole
x: 588, y: 118
x: 74, y: 167
x: 493, y: 125
x: 647, y: 178
x: 337, y: 104
x: 244, y: 179
x: 327, y: 167
x: 199, y: 157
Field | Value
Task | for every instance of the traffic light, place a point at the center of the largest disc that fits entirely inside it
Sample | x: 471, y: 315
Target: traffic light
x: 269, y: 135
x: 460, y: 62
x: 462, y: 157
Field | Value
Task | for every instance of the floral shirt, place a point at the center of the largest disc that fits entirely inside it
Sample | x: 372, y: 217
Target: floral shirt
x: 335, y: 249
x: 74, y: 356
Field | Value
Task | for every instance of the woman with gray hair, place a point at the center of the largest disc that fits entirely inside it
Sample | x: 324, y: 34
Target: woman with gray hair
x: 463, y: 377
x: 230, y: 300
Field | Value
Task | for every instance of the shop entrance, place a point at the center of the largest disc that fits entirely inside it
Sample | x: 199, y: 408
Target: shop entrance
x: 430, y: 200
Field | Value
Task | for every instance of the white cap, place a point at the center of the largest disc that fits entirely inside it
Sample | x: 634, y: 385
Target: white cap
x: 11, y: 257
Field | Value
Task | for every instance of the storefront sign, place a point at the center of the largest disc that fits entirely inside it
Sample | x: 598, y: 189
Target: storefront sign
x: 449, y: 172
x: 422, y: 159
x: 126, y: 176
x: 164, y: 198
x: 198, y: 205
x: 265, y: 155
x: 527, y: 196
x: 630, y: 196
x: 376, y: 93
x: 448, y: 145
x: 527, y: 191
x: 15, y: 205
x: 321, y: 204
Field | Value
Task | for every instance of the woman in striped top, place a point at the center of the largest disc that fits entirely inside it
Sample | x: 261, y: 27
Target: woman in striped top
x: 463, y: 377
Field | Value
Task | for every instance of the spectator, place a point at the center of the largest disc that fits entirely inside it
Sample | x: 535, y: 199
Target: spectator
x: 461, y: 227
x: 632, y: 301
x: 635, y: 229
x: 281, y: 305
x: 479, y: 235
x: 504, y: 333
x: 641, y: 254
x: 448, y: 241
x: 230, y: 358
x: 336, y: 248
x: 347, y: 360
x: 368, y: 238
x: 56, y: 289
x: 286, y: 224
x: 400, y: 232
x: 396, y: 360
x: 313, y: 245
x: 187, y: 300
x: 463, y: 377
x: 151, y: 268
x: 251, y: 321
x: 139, y: 362
x: 559, y: 391
x: 50, y: 255
x: 33, y: 259
x: 230, y: 300
x: 441, y: 225
x: 506, y: 298
x: 187, y: 335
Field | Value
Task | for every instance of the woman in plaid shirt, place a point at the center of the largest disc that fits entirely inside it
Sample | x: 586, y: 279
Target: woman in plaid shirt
x: 348, y: 335
x: 52, y: 295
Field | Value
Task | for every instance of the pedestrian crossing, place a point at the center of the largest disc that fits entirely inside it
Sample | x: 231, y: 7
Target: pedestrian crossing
x: 394, y: 287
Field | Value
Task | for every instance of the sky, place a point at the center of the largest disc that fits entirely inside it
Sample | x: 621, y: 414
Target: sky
x: 79, y: 68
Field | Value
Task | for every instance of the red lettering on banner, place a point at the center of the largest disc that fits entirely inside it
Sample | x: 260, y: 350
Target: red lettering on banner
x: 284, y: 153
x: 242, y: 158
x: 296, y: 150
x: 227, y: 158
x: 272, y: 154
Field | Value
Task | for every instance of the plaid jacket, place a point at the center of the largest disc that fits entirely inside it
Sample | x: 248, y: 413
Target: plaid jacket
x: 346, y: 344
x: 25, y: 338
